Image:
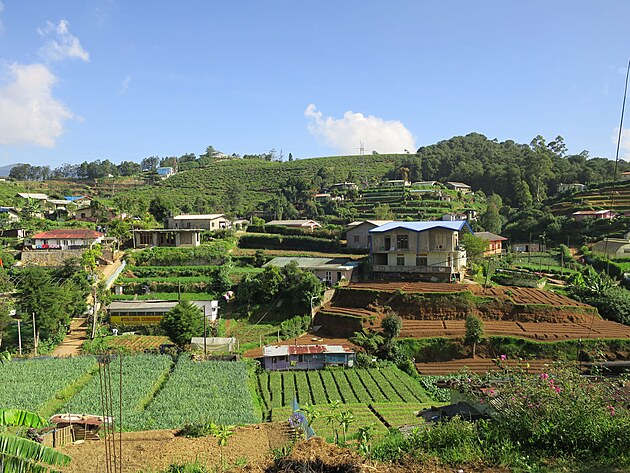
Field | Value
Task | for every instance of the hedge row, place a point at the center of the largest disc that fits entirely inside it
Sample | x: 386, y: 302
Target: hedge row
x: 214, y: 253
x: 281, y: 230
x: 284, y: 242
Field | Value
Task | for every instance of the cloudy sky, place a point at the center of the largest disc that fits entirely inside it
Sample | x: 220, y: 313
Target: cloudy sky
x: 123, y: 80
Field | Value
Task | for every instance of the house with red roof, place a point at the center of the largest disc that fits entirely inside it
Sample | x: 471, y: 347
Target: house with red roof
x: 495, y: 242
x: 306, y: 357
x: 67, y: 239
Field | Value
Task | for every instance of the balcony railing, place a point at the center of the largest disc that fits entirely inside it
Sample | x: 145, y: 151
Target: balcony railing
x: 385, y: 268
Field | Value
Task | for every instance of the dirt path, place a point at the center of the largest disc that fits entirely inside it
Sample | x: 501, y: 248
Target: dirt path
x: 156, y: 450
x: 71, y: 345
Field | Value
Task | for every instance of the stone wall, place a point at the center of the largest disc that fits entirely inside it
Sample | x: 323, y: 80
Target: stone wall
x: 48, y: 257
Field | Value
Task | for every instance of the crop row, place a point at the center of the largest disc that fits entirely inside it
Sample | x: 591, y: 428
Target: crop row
x: 202, y: 391
x: 30, y: 384
x: 349, y: 386
x: 142, y: 375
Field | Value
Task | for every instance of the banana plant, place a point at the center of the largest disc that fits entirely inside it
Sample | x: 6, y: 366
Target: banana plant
x: 21, y: 455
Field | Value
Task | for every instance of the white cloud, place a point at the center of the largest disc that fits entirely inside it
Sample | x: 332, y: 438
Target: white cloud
x: 345, y: 134
x: 29, y: 114
x: 624, y: 144
x: 124, y: 85
x: 62, y: 44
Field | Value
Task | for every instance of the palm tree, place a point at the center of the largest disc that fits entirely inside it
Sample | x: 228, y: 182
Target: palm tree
x: 19, y: 454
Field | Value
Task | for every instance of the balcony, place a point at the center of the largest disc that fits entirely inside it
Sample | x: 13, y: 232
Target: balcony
x: 383, y: 268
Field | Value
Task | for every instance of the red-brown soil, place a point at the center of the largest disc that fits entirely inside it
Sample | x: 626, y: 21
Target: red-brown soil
x: 480, y: 366
x: 543, y: 331
x: 405, y: 286
x: 155, y: 450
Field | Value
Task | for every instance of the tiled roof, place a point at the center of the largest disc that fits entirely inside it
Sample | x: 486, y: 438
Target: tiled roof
x: 489, y: 236
x: 68, y: 233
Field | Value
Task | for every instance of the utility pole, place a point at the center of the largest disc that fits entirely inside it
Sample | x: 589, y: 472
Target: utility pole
x: 19, y: 321
x: 205, y: 352
x: 94, y: 310
x: 34, y: 335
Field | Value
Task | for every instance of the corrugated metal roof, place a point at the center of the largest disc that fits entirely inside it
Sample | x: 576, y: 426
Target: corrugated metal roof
x: 293, y: 222
x: 304, y: 262
x: 155, y: 305
x: 198, y: 216
x: 27, y: 195
x: 457, y: 225
x: 69, y: 233
x: 378, y: 223
x: 283, y: 350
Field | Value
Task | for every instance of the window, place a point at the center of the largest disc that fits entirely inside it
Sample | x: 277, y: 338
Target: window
x: 402, y: 242
x: 388, y: 242
x: 422, y: 261
x: 145, y: 238
x: 357, y: 238
x: 400, y: 260
x: 328, y: 276
x: 300, y: 358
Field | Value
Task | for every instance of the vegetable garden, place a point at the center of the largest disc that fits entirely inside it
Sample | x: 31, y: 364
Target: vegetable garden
x: 156, y: 393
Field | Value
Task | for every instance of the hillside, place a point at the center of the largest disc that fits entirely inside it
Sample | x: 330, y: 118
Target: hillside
x: 260, y: 179
x: 615, y: 197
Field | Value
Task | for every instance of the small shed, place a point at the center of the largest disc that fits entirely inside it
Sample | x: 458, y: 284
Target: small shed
x: 306, y: 357
x: 81, y: 426
x: 214, y: 344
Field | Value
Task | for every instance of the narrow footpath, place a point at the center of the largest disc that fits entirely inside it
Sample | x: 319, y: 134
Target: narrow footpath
x: 71, y: 345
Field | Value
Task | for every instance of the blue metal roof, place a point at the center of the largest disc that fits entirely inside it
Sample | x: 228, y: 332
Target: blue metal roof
x: 72, y: 198
x: 457, y: 225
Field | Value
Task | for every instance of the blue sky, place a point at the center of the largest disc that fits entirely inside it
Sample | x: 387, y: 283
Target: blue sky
x: 123, y: 80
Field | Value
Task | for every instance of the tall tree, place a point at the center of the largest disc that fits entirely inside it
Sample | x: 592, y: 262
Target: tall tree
x: 183, y: 322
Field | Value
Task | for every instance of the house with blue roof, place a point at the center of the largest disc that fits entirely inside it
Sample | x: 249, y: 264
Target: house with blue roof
x: 429, y: 251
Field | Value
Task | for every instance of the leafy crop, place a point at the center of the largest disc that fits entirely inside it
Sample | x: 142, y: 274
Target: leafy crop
x: 213, y: 391
x: 29, y: 384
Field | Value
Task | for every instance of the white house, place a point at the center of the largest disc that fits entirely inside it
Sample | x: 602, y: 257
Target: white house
x: 67, y: 239
x: 199, y: 221
x: 458, y: 186
x: 358, y: 233
x: 575, y: 186
x: 165, y: 172
x: 419, y: 250
x: 308, y: 225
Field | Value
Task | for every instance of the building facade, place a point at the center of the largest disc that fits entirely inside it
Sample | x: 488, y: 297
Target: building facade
x: 358, y: 233
x: 419, y: 250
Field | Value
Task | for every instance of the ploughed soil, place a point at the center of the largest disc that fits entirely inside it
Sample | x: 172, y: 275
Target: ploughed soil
x: 248, y: 450
x: 155, y: 450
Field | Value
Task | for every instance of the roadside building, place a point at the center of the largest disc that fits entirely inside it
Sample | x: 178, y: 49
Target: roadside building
x: 150, y: 312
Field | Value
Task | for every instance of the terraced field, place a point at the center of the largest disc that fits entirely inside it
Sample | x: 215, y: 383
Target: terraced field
x: 350, y: 386
x: 479, y: 366
x: 405, y: 286
x: 543, y: 331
